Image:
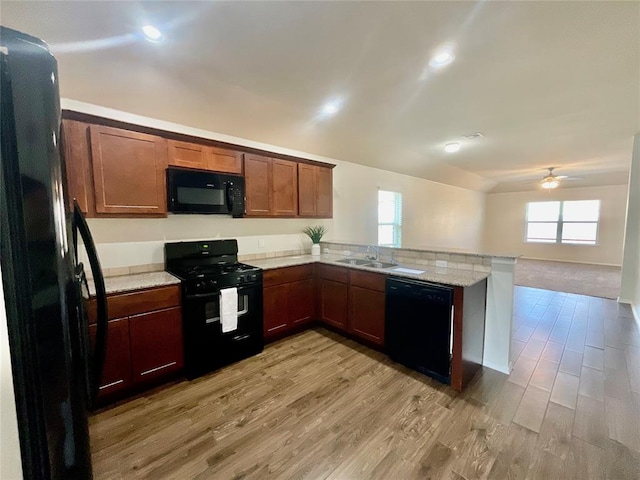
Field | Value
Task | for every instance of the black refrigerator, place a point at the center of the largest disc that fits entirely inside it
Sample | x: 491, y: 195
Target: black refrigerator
x: 56, y: 366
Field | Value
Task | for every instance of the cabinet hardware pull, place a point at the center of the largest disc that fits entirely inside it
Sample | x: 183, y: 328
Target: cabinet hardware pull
x: 110, y: 384
x: 157, y: 368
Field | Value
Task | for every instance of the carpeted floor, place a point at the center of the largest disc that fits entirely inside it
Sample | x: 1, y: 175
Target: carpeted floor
x: 582, y: 278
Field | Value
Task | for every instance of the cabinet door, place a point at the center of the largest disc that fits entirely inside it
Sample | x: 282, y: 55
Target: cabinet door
x: 258, y: 181
x: 307, y: 195
x: 366, y: 314
x: 285, y: 188
x: 156, y: 344
x: 224, y: 160
x: 186, y: 154
x: 128, y: 171
x: 301, y: 301
x: 275, y: 310
x: 116, y: 374
x: 75, y: 142
x: 333, y: 303
x: 324, y: 196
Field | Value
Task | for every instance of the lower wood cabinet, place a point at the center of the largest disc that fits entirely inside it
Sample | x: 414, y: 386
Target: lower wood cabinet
x: 144, y: 339
x: 116, y: 373
x: 156, y: 344
x: 367, y: 306
x: 334, y: 299
x: 301, y: 301
x: 289, y: 299
x: 333, y: 293
x: 275, y: 310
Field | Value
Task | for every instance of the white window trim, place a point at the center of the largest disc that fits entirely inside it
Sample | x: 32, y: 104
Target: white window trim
x: 559, y: 226
x: 397, y: 226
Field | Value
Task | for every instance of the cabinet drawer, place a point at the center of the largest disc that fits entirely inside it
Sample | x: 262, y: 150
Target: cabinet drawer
x: 337, y: 274
x: 372, y: 281
x: 287, y: 274
x: 133, y: 303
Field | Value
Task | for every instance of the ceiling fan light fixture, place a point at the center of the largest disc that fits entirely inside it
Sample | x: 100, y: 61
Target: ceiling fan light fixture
x: 550, y: 182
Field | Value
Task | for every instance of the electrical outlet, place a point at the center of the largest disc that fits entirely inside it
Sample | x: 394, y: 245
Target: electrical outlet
x: 261, y: 243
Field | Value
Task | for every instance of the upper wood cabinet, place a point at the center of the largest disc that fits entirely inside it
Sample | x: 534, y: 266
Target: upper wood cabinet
x: 128, y: 171
x: 113, y: 171
x: 285, y: 188
x: 186, y: 154
x: 324, y: 184
x: 203, y: 157
x: 258, y: 180
x: 307, y: 191
x: 224, y: 160
x: 75, y: 148
x: 315, y: 191
x: 271, y: 186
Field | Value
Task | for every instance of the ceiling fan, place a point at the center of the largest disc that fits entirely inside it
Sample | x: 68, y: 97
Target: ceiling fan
x: 551, y: 181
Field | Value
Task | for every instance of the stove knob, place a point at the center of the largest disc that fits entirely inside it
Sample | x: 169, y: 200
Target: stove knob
x: 212, y: 283
x: 199, y: 286
x: 254, y: 277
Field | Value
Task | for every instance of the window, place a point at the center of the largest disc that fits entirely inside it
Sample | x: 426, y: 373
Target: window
x: 389, y: 219
x: 573, y: 222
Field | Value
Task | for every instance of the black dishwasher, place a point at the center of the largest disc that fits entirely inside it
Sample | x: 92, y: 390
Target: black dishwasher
x: 418, y: 326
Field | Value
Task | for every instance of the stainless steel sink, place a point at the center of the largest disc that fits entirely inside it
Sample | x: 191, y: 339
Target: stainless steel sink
x: 354, y: 261
x: 379, y: 265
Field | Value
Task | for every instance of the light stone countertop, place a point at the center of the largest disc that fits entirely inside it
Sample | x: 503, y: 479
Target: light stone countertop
x: 426, y: 248
x: 446, y: 276
x: 138, y: 281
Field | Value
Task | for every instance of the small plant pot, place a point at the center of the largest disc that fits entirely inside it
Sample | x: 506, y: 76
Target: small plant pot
x: 315, y: 249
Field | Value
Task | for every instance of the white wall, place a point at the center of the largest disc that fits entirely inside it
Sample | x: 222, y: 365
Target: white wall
x: 630, y: 289
x: 434, y: 214
x: 10, y: 461
x: 506, y: 222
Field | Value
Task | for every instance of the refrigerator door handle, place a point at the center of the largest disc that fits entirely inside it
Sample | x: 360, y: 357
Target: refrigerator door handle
x: 99, y: 351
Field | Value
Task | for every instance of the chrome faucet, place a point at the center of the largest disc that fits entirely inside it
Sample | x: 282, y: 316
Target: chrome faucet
x: 376, y: 249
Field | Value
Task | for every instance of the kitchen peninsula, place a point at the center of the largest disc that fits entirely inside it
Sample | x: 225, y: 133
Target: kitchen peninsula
x: 441, y: 266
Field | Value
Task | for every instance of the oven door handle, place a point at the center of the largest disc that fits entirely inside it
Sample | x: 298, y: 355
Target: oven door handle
x: 200, y: 296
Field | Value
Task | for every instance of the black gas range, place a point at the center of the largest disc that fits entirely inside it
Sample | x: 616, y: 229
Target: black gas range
x: 206, y: 268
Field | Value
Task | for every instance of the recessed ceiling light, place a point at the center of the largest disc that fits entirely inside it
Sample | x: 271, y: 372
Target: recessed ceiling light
x: 452, y: 147
x: 331, y: 108
x: 152, y: 34
x: 442, y: 57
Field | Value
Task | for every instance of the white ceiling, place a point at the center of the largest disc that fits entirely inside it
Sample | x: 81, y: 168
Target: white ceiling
x: 547, y: 83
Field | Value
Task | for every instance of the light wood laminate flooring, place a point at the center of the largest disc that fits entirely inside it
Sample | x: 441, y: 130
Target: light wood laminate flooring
x: 318, y: 406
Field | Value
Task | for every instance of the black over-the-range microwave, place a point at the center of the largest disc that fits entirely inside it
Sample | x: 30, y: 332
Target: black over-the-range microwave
x: 200, y: 191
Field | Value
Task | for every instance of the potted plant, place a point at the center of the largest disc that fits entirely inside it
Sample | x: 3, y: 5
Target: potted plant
x: 315, y: 234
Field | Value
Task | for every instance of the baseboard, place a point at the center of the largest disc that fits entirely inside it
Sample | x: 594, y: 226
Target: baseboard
x: 495, y: 366
x: 572, y: 261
